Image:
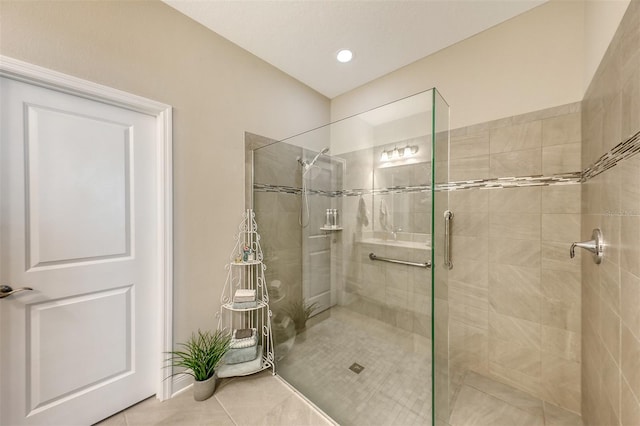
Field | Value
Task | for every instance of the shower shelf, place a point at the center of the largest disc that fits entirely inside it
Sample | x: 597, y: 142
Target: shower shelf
x: 331, y: 228
x: 247, y: 275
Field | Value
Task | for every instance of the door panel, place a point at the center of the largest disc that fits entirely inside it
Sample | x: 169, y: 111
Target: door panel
x: 70, y: 218
x: 78, y: 224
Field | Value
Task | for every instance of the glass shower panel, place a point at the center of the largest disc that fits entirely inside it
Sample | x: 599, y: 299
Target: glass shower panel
x: 442, y: 263
x: 353, y: 334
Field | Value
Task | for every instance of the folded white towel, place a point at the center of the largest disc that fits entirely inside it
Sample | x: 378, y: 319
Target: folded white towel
x: 363, y: 214
x: 244, y: 295
x: 244, y: 343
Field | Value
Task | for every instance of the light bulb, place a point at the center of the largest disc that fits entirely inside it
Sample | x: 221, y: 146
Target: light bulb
x: 384, y: 156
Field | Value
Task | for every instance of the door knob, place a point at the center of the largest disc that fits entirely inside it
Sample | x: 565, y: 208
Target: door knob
x: 6, y: 290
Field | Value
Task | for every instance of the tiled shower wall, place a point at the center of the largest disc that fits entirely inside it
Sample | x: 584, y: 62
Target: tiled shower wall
x: 611, y: 202
x: 276, y: 213
x: 514, y: 293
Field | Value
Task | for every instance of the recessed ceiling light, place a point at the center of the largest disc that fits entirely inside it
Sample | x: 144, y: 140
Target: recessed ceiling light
x: 345, y: 55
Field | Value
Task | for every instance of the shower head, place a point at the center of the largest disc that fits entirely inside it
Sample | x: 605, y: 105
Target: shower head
x: 323, y: 152
x: 306, y: 165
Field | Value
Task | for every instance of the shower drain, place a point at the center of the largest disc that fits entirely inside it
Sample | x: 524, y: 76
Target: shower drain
x: 356, y: 368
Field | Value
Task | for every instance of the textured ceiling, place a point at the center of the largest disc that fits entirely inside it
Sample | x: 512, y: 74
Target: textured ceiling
x: 301, y: 38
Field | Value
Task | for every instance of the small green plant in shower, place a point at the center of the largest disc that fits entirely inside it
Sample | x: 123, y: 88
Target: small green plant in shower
x: 300, y: 311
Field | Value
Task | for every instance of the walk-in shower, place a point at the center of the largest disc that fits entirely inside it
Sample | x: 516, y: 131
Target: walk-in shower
x: 366, y: 355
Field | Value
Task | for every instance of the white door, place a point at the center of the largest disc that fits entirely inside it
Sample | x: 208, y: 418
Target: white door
x: 78, y: 225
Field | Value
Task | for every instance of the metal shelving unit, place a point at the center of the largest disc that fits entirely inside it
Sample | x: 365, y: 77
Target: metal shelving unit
x: 247, y: 273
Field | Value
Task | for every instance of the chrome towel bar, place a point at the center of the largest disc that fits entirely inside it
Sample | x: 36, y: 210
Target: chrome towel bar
x: 372, y: 256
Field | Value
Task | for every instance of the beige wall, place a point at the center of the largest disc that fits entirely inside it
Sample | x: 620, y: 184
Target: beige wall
x: 218, y: 92
x: 601, y: 20
x: 531, y: 62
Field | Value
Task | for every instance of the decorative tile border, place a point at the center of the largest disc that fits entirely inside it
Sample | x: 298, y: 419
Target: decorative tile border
x: 610, y: 159
x: 620, y: 152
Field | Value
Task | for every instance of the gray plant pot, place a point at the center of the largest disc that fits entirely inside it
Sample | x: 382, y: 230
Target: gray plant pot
x: 204, y: 389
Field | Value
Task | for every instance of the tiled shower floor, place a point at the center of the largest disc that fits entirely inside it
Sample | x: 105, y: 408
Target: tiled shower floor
x: 394, y: 388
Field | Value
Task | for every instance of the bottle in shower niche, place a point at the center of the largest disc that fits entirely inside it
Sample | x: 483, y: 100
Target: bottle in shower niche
x: 334, y: 214
x: 327, y: 222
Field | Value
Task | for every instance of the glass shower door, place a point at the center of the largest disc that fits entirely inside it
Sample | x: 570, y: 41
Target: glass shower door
x: 366, y: 357
x: 442, y: 262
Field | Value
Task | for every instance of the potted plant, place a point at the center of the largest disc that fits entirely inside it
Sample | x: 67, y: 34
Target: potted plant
x: 300, y: 312
x: 199, y: 357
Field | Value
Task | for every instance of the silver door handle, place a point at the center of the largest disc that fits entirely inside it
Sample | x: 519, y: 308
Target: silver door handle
x: 448, y: 215
x: 6, y: 291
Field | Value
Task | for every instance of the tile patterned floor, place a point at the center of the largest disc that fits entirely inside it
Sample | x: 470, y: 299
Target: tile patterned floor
x: 393, y: 389
x: 260, y: 399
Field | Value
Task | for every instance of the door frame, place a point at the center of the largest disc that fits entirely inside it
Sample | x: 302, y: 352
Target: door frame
x: 43, y: 77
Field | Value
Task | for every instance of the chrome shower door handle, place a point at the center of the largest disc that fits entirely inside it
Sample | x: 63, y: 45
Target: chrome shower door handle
x: 6, y: 291
x: 448, y: 215
x: 595, y: 246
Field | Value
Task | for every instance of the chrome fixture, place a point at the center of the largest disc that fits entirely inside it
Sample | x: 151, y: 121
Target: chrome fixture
x: 306, y: 165
x: 398, y: 153
x: 595, y: 246
x: 427, y: 264
x: 6, y: 291
x: 448, y: 215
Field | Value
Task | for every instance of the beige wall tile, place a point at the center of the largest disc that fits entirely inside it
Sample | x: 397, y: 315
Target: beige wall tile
x: 564, y: 129
x: 630, y: 238
x: 561, y: 299
x: 515, y: 330
x: 562, y: 343
x: 561, y: 228
x: 630, y: 407
x: 561, y: 199
x: 561, y: 159
x: 468, y: 294
x: 515, y: 291
x: 514, y: 357
x: 630, y: 194
x: 630, y: 358
x: 515, y: 200
x: 469, y: 201
x: 516, y: 138
x: 471, y: 271
x: 470, y: 224
x: 516, y: 163
x: 473, y: 248
x: 514, y: 252
x: 610, y: 372
x: 469, y: 145
x: 561, y: 381
x: 469, y: 168
x: 610, y: 332
x: 522, y: 226
x: 630, y: 301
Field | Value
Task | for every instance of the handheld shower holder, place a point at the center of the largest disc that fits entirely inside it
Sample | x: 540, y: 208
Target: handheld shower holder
x: 595, y: 246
